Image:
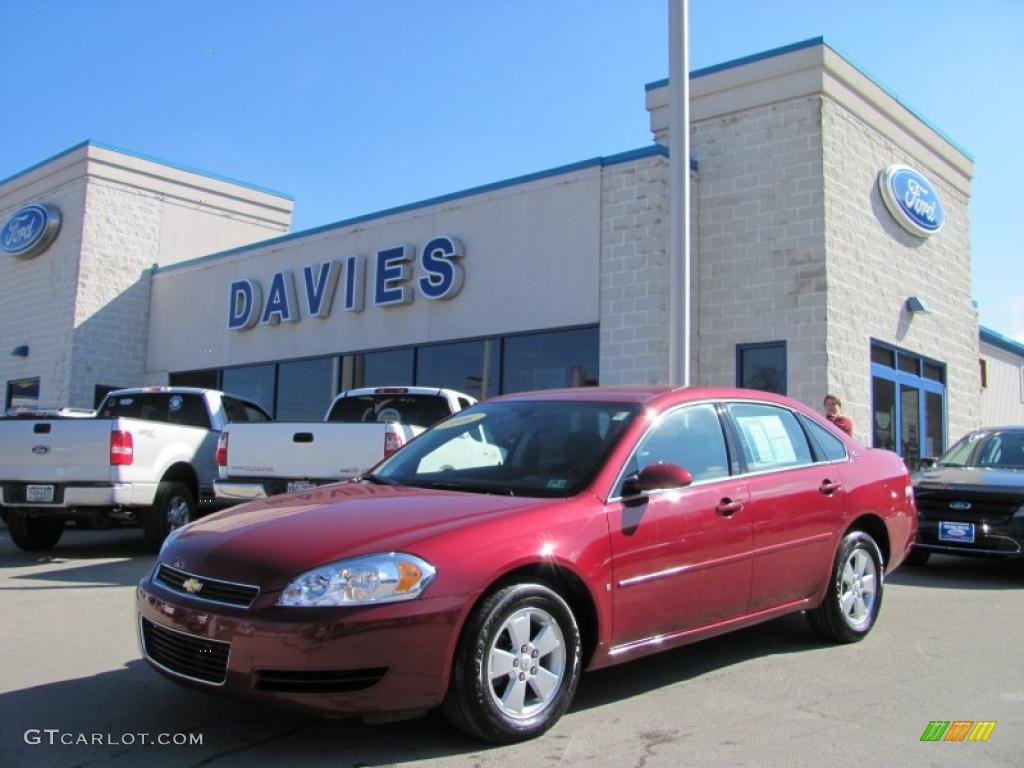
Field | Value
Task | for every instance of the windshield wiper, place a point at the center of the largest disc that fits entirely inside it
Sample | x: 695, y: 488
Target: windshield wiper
x: 488, y: 489
x: 375, y: 479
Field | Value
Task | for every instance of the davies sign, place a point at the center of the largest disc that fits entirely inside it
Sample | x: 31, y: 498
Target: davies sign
x: 30, y: 230
x: 912, y: 200
x: 440, y: 278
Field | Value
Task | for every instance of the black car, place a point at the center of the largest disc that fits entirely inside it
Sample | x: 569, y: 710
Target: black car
x: 971, y: 501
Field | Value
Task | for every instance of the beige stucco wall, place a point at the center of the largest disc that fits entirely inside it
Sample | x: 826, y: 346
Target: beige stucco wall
x: 530, y: 263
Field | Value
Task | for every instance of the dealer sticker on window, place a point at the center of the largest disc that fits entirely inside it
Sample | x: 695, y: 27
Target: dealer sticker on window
x: 961, y: 532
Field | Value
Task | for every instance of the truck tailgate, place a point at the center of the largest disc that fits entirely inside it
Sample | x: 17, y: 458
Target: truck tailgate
x: 301, y: 450
x: 55, y: 450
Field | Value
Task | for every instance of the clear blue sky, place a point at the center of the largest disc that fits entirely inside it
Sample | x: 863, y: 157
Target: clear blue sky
x: 353, y: 106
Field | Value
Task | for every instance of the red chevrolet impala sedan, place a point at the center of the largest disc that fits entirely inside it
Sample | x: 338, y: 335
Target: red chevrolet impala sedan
x: 495, y: 557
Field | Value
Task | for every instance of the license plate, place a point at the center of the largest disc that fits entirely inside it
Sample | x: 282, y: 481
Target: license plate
x: 962, y: 532
x: 39, y: 493
x: 299, y: 485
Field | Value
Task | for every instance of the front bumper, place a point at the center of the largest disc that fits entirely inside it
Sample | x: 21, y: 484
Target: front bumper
x: 398, y: 654
x: 1005, y: 539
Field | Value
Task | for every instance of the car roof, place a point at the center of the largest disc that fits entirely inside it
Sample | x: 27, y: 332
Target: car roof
x: 648, y: 395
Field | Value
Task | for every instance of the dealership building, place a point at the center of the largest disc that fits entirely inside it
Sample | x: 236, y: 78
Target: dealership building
x: 829, y: 243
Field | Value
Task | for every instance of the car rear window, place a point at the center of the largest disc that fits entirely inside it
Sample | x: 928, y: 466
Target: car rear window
x: 166, y: 407
x: 417, y: 410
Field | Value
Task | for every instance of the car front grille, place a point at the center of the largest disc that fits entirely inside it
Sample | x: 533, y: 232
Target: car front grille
x: 935, y: 505
x: 187, y: 655
x: 318, y: 681
x: 203, y: 588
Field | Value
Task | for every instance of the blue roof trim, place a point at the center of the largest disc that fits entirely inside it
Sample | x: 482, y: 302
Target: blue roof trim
x: 810, y: 43
x: 998, y: 340
x: 732, y: 63
x: 655, y: 150
x: 152, y: 159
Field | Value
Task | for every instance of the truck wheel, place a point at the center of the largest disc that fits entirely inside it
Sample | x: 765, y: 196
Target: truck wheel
x: 172, y: 508
x: 34, y: 534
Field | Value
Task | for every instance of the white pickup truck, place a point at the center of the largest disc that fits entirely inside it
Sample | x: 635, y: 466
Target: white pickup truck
x: 148, y: 455
x: 362, y: 426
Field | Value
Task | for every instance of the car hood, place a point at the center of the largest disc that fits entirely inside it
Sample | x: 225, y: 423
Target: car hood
x: 267, y: 543
x: 982, y: 479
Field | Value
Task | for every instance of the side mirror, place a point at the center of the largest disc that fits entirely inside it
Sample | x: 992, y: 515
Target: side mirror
x: 927, y: 462
x: 656, y: 477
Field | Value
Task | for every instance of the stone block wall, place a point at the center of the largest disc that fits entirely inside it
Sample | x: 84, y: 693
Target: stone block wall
x: 634, y: 273
x: 875, y: 265
x: 759, y: 244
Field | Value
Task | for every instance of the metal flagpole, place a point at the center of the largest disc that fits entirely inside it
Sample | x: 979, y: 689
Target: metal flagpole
x: 679, y: 193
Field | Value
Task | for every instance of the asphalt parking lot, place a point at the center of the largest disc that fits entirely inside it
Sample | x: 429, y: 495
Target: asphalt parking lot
x: 948, y: 646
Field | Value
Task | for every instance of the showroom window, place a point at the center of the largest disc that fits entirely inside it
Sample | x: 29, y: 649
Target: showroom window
x: 22, y: 393
x: 305, y: 389
x: 301, y: 390
x: 550, y: 360
x: 908, y: 404
x: 252, y: 382
x: 762, y: 366
x: 208, y: 379
x: 465, y: 366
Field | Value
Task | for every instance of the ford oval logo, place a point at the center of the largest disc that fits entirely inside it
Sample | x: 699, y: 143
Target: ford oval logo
x: 30, y: 230
x: 912, y: 200
x: 960, y: 505
x: 39, y: 450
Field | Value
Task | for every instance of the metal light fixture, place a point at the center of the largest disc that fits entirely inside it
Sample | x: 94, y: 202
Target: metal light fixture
x: 20, y: 351
x: 916, y: 306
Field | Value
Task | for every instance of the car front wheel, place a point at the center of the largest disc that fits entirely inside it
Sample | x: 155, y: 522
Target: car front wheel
x: 172, y: 508
x: 516, y: 667
x: 854, y: 593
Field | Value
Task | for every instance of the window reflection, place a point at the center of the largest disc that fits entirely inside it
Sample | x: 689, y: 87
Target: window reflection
x: 762, y: 366
x: 468, y: 366
x: 304, y: 389
x: 253, y: 382
x: 550, y: 360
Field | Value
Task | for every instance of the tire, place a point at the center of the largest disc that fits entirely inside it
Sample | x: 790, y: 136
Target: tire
x: 489, y: 703
x: 917, y: 558
x: 35, y: 534
x: 172, y: 508
x: 854, y: 594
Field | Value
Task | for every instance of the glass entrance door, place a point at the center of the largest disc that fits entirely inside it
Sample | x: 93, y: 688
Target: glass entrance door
x: 908, y: 404
x: 910, y: 426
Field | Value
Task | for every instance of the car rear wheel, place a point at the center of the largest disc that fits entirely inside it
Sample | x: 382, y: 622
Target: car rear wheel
x: 516, y: 667
x: 917, y: 557
x: 172, y: 508
x: 854, y: 594
x: 34, y: 534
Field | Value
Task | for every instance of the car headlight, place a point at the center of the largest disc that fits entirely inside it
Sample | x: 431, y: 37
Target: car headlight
x: 384, y: 578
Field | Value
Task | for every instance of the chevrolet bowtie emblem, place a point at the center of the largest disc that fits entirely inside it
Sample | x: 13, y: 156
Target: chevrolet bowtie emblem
x: 192, y: 585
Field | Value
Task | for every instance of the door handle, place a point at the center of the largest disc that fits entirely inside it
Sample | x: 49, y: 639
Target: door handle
x: 728, y: 507
x: 828, y: 487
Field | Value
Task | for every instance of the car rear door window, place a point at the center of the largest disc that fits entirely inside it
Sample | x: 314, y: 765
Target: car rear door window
x: 769, y: 436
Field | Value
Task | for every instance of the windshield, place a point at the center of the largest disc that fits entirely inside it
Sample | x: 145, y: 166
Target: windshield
x: 551, y: 448
x: 417, y: 410
x: 997, y: 450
